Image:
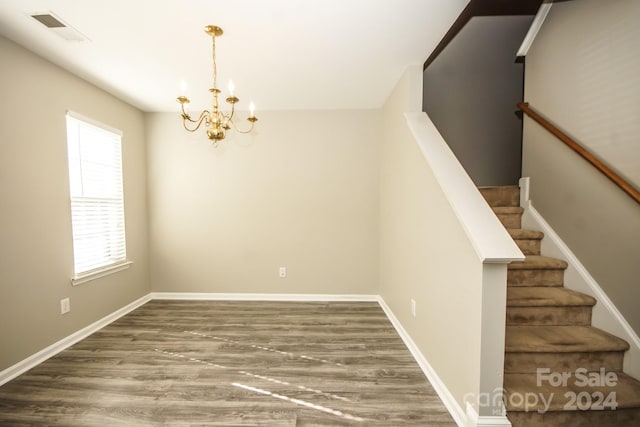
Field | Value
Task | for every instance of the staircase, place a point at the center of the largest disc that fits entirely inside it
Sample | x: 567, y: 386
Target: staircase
x: 558, y: 369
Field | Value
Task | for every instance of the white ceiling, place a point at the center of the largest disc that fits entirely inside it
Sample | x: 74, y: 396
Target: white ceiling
x: 282, y: 54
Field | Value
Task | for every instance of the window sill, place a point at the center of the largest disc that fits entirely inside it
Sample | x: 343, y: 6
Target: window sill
x: 100, y: 272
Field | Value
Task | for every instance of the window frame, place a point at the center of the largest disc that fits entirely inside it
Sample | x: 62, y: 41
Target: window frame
x: 117, y: 263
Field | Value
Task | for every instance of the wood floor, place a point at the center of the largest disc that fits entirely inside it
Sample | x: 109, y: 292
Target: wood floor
x: 222, y: 363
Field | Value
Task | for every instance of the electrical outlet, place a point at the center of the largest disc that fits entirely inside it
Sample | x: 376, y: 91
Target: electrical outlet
x: 283, y: 272
x: 65, y: 306
x: 413, y: 307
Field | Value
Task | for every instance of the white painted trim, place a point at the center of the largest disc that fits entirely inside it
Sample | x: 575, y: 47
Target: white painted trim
x: 525, y: 190
x: 100, y: 272
x: 605, y: 316
x: 96, y: 123
x: 488, y: 236
x: 55, y: 348
x: 441, y: 389
x: 535, y: 28
x: 260, y: 297
x: 474, y: 420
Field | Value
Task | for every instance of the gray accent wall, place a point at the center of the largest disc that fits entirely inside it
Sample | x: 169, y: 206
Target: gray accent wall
x: 471, y: 91
x: 583, y: 73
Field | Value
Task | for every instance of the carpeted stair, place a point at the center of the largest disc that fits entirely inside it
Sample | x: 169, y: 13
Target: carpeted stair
x: 549, y: 335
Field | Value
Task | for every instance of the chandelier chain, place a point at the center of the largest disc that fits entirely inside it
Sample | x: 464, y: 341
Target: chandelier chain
x: 215, y: 65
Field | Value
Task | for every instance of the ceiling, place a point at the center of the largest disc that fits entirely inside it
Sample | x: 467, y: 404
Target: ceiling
x: 281, y: 54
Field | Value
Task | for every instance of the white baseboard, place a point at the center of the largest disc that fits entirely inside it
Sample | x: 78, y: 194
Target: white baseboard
x: 55, y: 348
x: 441, y: 389
x: 605, y: 314
x: 260, y: 297
x: 471, y: 418
x: 474, y: 420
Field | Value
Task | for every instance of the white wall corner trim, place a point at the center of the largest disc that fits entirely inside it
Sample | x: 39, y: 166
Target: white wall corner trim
x: 605, y: 314
x: 55, y: 348
x: 441, y: 389
x: 535, y: 27
x: 525, y: 189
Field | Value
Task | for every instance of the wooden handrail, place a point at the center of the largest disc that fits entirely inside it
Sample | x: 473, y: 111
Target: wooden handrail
x: 617, y: 179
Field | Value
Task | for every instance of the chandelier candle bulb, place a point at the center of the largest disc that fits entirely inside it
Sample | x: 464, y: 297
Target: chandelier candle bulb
x: 216, y: 122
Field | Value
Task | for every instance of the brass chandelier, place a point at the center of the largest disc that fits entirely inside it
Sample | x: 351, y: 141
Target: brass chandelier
x: 216, y: 122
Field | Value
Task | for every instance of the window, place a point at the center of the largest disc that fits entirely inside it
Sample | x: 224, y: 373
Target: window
x: 97, y: 204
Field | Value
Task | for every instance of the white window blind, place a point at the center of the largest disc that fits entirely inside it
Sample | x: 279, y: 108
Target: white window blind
x: 97, y: 204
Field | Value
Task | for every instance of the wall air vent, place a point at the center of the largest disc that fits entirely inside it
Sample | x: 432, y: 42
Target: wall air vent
x: 58, y: 26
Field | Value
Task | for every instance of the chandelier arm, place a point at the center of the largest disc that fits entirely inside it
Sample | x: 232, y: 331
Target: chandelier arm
x: 186, y: 116
x: 233, y: 110
x: 198, y: 122
x: 241, y: 131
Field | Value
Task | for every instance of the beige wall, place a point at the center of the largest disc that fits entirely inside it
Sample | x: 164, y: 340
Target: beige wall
x: 36, y: 257
x: 426, y: 256
x: 301, y: 193
x: 582, y: 72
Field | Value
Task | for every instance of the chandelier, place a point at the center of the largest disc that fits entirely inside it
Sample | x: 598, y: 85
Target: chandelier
x: 216, y: 122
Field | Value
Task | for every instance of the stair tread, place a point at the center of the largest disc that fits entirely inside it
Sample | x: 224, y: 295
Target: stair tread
x: 545, y: 296
x: 521, y: 234
x: 538, y: 262
x: 502, y: 210
x: 561, y: 339
x: 627, y: 390
x: 499, y: 187
x: 501, y: 196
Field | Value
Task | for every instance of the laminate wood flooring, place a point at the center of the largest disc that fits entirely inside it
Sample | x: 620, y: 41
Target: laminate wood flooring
x: 231, y: 363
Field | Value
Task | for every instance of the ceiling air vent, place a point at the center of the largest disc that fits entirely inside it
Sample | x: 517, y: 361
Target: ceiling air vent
x: 48, y: 21
x: 59, y: 27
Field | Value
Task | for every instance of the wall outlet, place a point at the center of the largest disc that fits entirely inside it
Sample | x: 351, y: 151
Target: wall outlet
x: 283, y: 272
x: 413, y: 307
x: 65, y: 306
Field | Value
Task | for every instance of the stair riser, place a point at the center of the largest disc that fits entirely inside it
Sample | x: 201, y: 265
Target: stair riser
x: 529, y: 246
x: 536, y: 277
x: 511, y: 220
x: 578, y: 316
x: 500, y: 196
x: 618, y: 418
x: 522, y: 363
